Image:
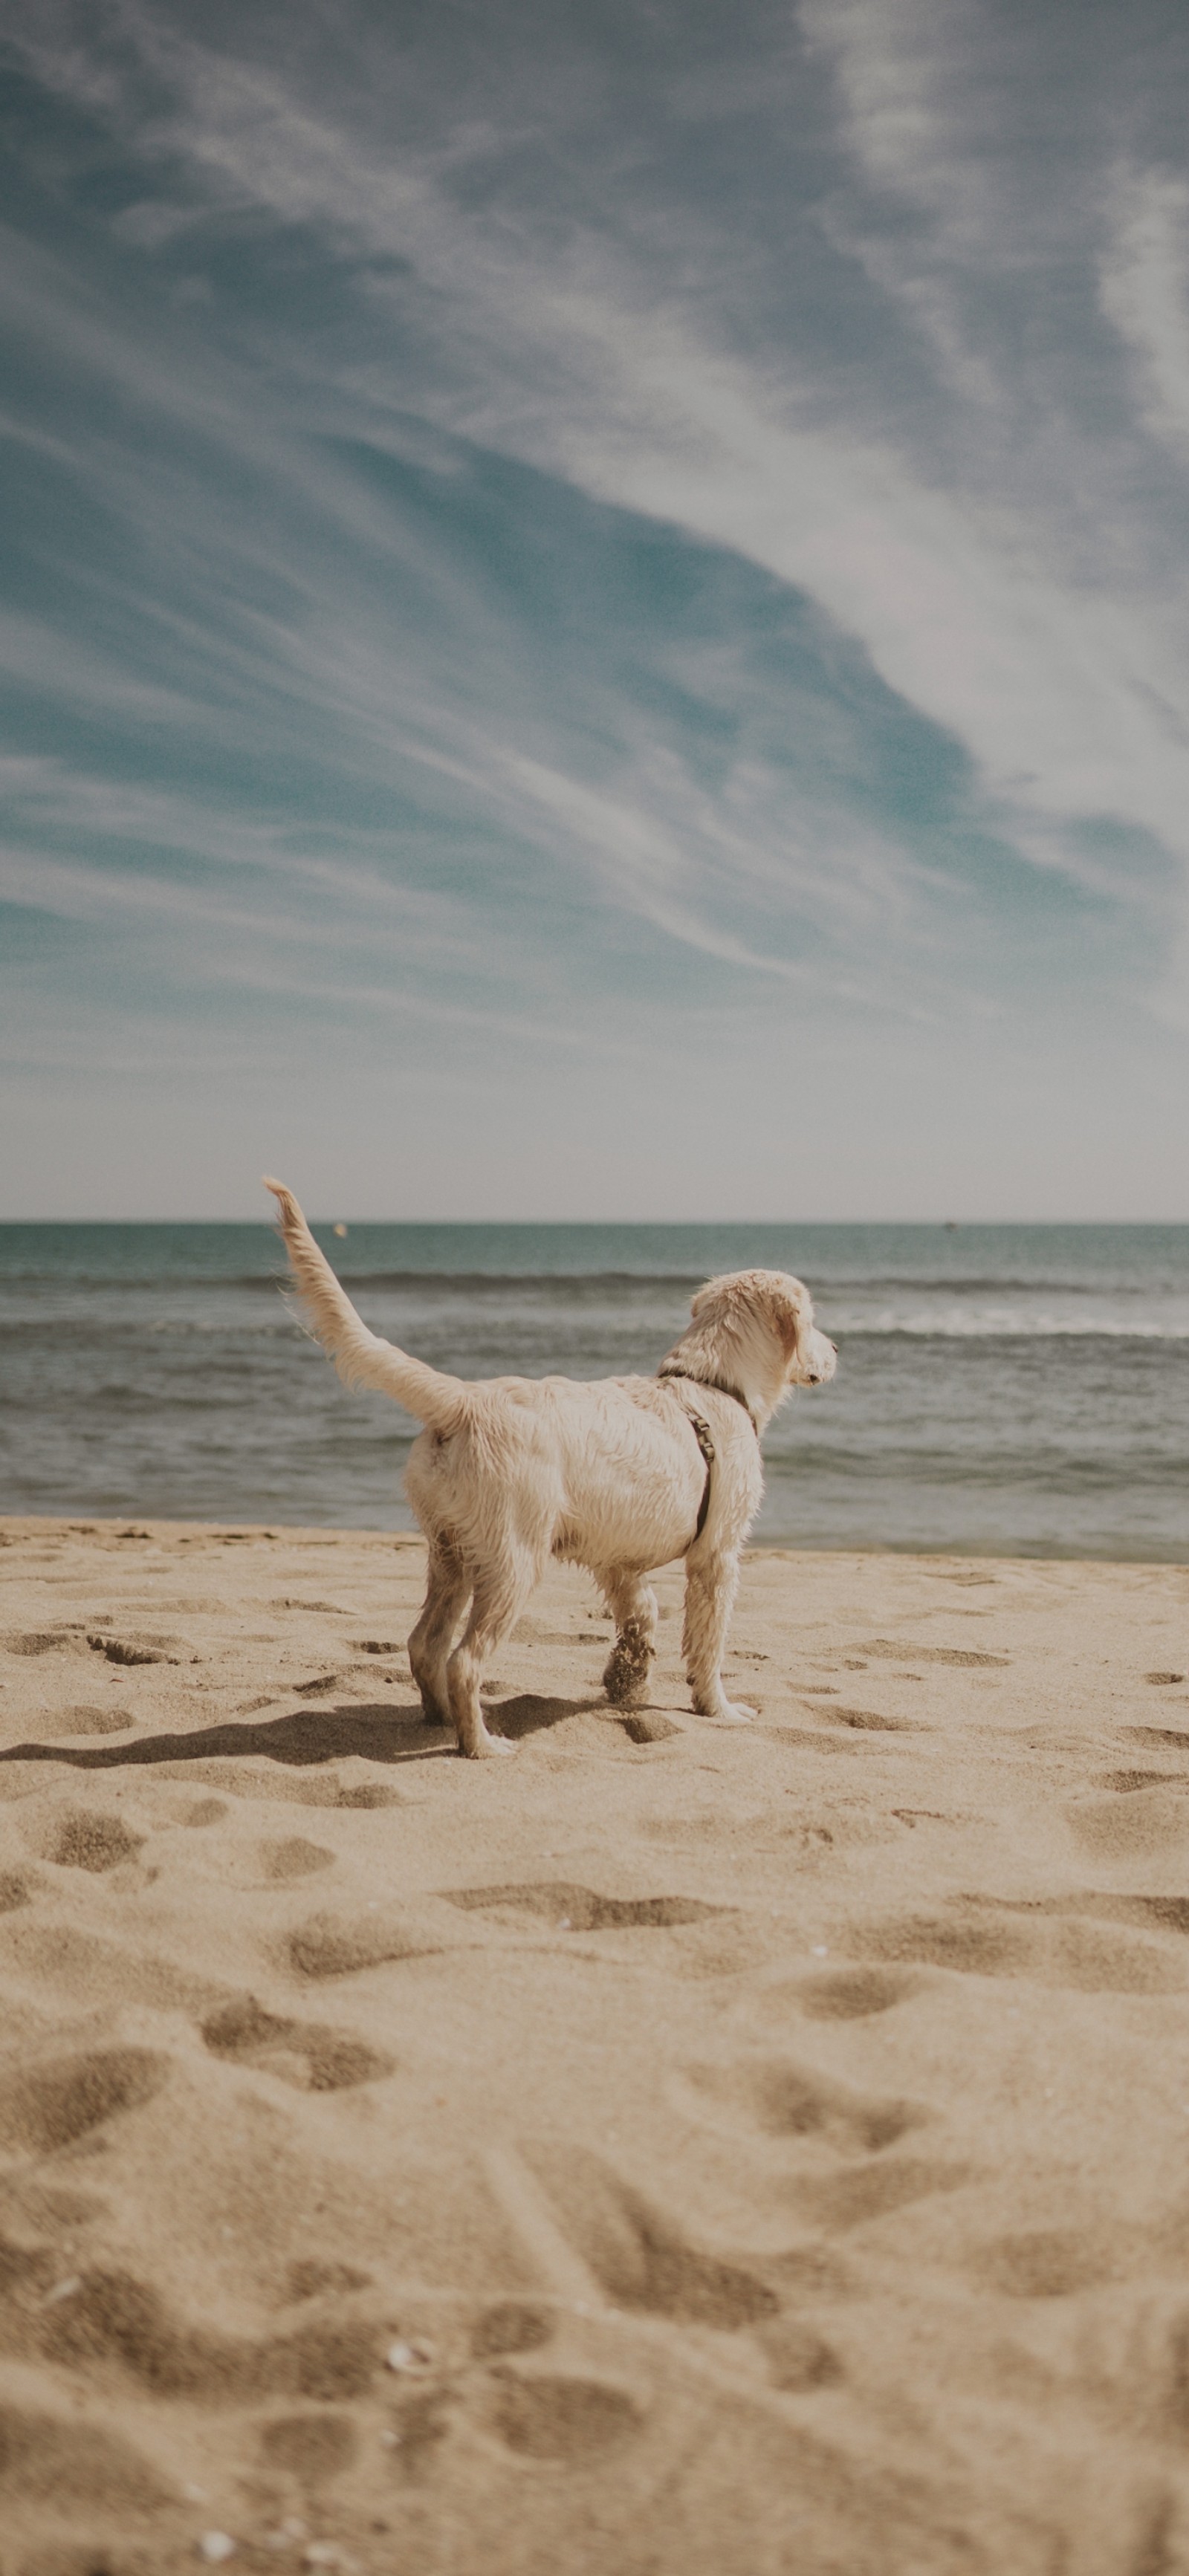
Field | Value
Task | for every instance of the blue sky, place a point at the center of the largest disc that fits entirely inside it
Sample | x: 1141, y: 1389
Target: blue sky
x: 595, y: 608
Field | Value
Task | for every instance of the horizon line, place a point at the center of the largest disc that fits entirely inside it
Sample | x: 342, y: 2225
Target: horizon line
x: 655, y: 1224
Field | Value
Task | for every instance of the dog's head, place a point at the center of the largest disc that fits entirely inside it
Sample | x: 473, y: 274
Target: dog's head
x: 756, y: 1328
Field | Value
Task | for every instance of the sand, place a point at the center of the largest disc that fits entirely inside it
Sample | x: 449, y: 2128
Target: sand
x: 678, y: 2147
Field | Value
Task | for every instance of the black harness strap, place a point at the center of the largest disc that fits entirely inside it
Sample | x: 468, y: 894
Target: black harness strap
x: 720, y: 1387
x: 702, y: 1433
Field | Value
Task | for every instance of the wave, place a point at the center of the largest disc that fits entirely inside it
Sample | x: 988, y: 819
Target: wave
x: 846, y: 1330
x: 1156, y: 1279
x: 576, y: 1286
x: 831, y: 1290
x: 1023, y: 1328
x: 1031, y: 1472
x: 361, y: 1282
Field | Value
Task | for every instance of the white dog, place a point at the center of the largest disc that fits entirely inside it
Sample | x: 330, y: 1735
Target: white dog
x: 621, y: 1476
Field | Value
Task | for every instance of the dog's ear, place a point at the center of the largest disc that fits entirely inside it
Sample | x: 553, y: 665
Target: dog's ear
x: 791, y: 1310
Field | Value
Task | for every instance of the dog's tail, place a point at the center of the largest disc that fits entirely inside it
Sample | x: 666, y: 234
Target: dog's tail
x: 361, y: 1358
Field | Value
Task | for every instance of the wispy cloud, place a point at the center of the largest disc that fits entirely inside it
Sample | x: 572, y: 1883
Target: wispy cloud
x: 509, y: 520
x: 1145, y: 292
x: 981, y: 608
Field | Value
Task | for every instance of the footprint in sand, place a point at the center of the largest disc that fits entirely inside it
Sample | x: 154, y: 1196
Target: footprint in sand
x: 312, y: 2448
x: 287, y: 1788
x: 1071, y: 1954
x: 93, y: 1841
x: 112, y: 2320
x: 1125, y: 1783
x: 41, y: 1641
x: 84, y: 1717
x: 855, y: 2197
x: 641, y: 2260
x: 848, y: 1994
x: 16, y: 1888
x: 566, y: 2419
x: 647, y: 1726
x: 980, y: 1948
x: 512, y: 2325
x: 94, y: 1973
x: 308, y: 2055
x: 1043, y: 2263
x: 367, y: 1794
x: 133, y: 1650
x: 1162, y: 1913
x: 333, y: 1609
x: 47, y: 2106
x: 578, y: 1909
x: 842, y: 1995
x: 295, y: 1858
x: 56, y: 2460
x: 889, y: 1649
x: 325, y: 1947
x: 1152, y: 1818
x: 866, y: 1721
x: 782, y: 2100
x: 785, y: 2101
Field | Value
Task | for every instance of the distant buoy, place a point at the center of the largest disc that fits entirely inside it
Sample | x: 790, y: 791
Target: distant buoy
x: 339, y: 1230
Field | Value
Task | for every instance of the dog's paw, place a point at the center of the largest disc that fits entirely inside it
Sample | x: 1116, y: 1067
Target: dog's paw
x: 486, y: 1748
x: 723, y: 1711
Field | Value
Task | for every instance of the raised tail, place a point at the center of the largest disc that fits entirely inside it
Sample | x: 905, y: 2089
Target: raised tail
x: 361, y: 1358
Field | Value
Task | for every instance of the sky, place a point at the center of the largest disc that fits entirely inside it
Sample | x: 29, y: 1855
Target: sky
x: 595, y: 614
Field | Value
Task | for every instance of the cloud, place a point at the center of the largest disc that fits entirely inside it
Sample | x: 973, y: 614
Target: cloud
x: 1145, y: 293
x: 576, y: 354
x: 530, y: 522
x: 152, y: 222
x: 357, y: 608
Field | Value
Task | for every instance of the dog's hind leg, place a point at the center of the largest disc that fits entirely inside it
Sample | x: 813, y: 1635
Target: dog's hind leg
x: 501, y: 1591
x: 633, y: 1607
x: 711, y: 1583
x: 447, y: 1593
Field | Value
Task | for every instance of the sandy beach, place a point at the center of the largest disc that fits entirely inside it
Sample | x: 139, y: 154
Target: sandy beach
x: 677, y: 2148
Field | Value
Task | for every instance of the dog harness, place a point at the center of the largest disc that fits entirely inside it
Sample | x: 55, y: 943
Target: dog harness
x: 702, y: 1432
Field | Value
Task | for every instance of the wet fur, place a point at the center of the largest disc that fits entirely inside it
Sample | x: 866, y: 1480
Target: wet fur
x: 509, y: 1472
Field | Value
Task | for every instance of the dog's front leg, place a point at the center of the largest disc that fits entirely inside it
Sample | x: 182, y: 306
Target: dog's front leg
x: 501, y: 1591
x: 633, y: 1607
x: 464, y: 1672
x: 711, y: 1582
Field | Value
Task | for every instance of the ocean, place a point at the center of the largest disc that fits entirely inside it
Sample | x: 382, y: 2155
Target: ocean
x: 1005, y: 1389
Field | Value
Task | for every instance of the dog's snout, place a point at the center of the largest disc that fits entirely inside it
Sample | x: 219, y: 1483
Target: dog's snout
x: 820, y: 1361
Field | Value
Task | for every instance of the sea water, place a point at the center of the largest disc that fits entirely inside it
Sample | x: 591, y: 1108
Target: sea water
x: 1000, y: 1389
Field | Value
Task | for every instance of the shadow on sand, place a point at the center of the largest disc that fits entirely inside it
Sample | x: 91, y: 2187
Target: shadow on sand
x: 307, y: 1736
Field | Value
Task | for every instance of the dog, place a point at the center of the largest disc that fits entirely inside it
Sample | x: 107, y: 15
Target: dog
x: 620, y: 1475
